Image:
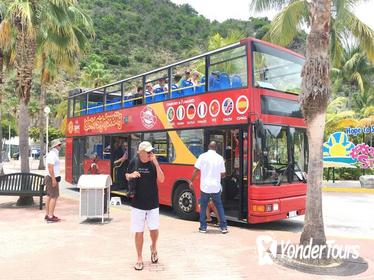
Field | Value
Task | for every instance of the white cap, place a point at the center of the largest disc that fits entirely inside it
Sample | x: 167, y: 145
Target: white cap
x: 145, y: 146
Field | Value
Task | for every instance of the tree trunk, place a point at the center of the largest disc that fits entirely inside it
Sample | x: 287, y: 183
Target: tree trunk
x: 24, y: 64
x: 43, y: 150
x: 23, y: 127
x: 314, y: 98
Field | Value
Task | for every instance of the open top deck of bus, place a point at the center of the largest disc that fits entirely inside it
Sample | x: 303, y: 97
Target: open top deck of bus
x: 226, y: 68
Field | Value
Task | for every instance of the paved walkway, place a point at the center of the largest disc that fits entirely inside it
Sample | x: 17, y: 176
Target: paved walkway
x: 72, y: 249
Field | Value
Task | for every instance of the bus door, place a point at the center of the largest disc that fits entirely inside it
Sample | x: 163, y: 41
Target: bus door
x: 79, y: 145
x: 230, y: 145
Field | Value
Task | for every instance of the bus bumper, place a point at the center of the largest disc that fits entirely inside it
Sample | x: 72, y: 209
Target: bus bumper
x: 262, y: 211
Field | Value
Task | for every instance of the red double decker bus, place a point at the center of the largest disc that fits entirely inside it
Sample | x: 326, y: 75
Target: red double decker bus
x: 243, y: 96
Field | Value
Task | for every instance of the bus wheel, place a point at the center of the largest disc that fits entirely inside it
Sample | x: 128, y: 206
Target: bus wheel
x: 184, y: 203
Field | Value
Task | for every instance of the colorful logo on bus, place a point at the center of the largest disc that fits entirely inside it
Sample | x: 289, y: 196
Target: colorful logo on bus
x: 70, y: 127
x: 180, y: 112
x: 170, y: 114
x: 242, y: 104
x: 227, y: 106
x: 191, y: 111
x: 214, y: 108
x: 148, y: 117
x: 202, y: 109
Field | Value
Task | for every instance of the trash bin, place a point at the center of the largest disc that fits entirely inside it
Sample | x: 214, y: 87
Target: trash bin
x: 94, y: 196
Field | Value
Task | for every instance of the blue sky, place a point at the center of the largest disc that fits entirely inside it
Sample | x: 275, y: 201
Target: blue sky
x: 239, y: 9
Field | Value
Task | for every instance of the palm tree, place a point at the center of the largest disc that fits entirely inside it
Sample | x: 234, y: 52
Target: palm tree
x: 5, y: 43
x: 95, y: 74
x: 1, y: 93
x: 314, y: 97
x: 353, y: 79
x: 296, y: 13
x: 30, y: 21
x: 59, y: 49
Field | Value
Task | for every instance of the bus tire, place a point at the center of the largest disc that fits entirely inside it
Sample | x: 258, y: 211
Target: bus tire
x: 184, y: 203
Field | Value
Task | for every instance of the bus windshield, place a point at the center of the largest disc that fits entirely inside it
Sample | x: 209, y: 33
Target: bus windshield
x: 276, y: 69
x: 280, y: 154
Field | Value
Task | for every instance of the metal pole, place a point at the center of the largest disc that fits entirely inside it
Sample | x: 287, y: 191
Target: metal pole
x: 9, y: 142
x: 47, y: 110
x: 46, y: 132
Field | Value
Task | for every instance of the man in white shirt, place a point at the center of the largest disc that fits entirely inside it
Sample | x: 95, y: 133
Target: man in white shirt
x: 51, y: 180
x: 212, y: 169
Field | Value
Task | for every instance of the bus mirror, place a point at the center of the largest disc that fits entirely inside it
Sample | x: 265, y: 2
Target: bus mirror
x: 260, y: 130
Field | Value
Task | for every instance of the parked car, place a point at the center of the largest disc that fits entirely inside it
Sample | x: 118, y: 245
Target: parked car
x: 35, y: 153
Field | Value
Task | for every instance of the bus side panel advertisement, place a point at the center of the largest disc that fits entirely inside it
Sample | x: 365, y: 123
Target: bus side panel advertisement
x: 196, y: 111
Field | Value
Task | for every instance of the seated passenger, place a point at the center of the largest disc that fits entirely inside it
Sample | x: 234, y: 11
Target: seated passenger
x: 198, y: 81
x: 148, y: 93
x: 161, y: 86
x: 186, y: 85
x: 159, y: 90
x: 187, y: 75
x: 175, y: 92
x: 138, y: 99
x: 195, y: 78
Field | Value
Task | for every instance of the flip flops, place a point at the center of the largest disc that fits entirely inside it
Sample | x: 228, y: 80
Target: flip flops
x: 154, y: 256
x: 139, y: 266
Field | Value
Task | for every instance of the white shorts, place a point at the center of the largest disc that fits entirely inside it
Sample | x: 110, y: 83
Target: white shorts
x: 139, y: 217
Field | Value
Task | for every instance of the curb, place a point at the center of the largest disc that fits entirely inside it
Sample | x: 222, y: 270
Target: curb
x: 347, y: 190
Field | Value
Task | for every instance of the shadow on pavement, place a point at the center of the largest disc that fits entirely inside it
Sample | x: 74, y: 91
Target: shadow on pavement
x: 13, y: 205
x: 95, y: 221
x: 290, y: 225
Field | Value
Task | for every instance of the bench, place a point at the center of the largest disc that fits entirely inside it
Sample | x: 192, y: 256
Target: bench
x: 23, y: 184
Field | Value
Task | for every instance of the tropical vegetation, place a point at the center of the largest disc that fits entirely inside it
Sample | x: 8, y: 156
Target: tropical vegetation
x: 329, y: 21
x: 48, y: 47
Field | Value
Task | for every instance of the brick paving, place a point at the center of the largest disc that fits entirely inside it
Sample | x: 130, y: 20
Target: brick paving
x: 74, y: 249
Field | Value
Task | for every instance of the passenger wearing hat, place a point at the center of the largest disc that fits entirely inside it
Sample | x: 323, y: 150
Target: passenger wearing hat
x: 52, y: 181
x: 144, y: 171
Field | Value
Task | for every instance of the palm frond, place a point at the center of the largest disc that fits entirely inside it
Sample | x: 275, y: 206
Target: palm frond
x: 363, y: 33
x: 356, y: 76
x: 5, y: 34
x: 81, y: 19
x: 369, y: 112
x: 339, y: 104
x: 351, y: 63
x: 22, y: 12
x: 262, y: 5
x: 336, y: 49
x: 286, y: 24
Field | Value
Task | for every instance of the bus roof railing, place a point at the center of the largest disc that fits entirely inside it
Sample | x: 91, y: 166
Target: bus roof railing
x: 155, y: 70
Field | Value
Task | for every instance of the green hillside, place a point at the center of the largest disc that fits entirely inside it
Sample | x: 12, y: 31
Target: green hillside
x: 133, y: 36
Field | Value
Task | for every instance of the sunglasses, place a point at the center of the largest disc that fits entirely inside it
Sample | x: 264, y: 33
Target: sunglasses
x: 149, y: 153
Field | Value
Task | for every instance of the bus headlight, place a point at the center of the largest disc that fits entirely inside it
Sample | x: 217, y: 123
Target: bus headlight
x: 275, y: 207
